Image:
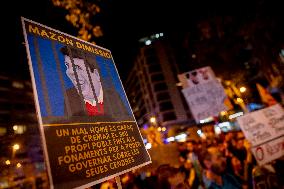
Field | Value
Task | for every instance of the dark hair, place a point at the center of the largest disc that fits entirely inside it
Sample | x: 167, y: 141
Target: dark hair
x: 76, y: 53
x: 164, y: 172
x: 204, y: 155
x: 191, y: 141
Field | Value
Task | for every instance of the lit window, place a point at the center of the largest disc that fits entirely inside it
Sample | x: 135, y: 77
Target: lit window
x: 19, y: 165
x: 19, y: 129
x: 157, y: 35
x: 148, y: 146
x: 171, y: 139
x: 199, y: 132
x: 8, y: 162
x: 18, y: 85
x: 3, y: 131
x: 217, y: 130
x: 148, y: 42
x: 181, y: 137
x: 161, y: 34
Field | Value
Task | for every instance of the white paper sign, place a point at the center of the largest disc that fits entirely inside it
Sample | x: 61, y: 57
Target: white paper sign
x: 203, y: 92
x: 269, y: 151
x: 263, y: 125
x: 265, y: 130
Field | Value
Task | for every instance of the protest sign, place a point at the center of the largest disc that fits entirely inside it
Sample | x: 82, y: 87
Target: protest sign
x: 88, y: 130
x: 269, y: 151
x: 204, y: 94
x: 265, y: 130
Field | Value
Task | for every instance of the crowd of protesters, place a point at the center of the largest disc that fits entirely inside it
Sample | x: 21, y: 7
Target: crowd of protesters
x: 220, y: 162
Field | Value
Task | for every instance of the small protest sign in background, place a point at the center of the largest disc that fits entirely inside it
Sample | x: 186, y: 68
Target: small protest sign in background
x: 265, y: 130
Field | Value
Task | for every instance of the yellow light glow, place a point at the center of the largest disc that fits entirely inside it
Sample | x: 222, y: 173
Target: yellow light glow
x: 164, y: 129
x: 153, y: 120
x: 239, y: 100
x: 15, y: 127
x: 159, y: 128
x: 19, y: 165
x: 243, y: 89
x: 223, y: 113
x: 16, y: 146
x: 8, y: 162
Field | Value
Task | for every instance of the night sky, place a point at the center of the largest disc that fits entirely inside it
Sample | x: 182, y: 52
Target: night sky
x: 123, y: 24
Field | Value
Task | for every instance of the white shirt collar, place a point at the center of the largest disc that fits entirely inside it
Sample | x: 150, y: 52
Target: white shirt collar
x: 92, y: 102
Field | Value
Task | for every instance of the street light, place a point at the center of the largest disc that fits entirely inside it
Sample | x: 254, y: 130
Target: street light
x: 15, y: 148
x: 15, y: 127
x: 8, y: 162
x: 240, y: 100
x: 19, y: 165
x: 223, y: 113
x: 244, y: 99
x: 153, y: 120
x: 243, y: 89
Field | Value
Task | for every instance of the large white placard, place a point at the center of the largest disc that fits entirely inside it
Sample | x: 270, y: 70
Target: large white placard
x: 263, y: 125
x: 204, y: 94
x: 269, y: 151
x: 265, y: 130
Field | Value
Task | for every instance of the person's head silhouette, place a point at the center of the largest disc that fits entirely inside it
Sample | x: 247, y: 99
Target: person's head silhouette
x: 83, y: 75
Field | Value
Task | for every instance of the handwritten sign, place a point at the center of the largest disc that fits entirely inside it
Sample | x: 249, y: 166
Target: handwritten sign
x: 88, y: 130
x: 204, y: 94
x: 265, y: 130
x: 263, y: 125
x: 269, y: 151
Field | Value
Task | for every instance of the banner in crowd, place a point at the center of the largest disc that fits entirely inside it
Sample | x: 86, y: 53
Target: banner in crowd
x: 88, y: 129
x: 265, y: 131
x: 265, y: 96
x: 204, y: 94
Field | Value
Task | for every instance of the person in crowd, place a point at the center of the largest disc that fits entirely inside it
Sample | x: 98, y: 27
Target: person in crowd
x: 191, y: 150
x: 163, y: 173
x: 190, y: 174
x: 240, y: 151
x: 192, y: 157
x: 182, y: 148
x: 215, y: 175
x: 238, y: 171
x: 264, y: 177
x: 177, y: 179
x: 169, y: 177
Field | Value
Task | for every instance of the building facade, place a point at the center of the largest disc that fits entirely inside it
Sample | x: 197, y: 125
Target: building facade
x: 152, y: 86
x: 18, y: 121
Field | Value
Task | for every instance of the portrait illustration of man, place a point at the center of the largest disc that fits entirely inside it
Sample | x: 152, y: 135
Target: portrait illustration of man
x: 86, y: 97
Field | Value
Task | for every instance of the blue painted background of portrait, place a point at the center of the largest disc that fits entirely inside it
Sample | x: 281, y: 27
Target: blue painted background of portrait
x: 54, y: 90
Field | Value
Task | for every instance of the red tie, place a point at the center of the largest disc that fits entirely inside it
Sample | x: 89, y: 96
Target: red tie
x: 95, y: 110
